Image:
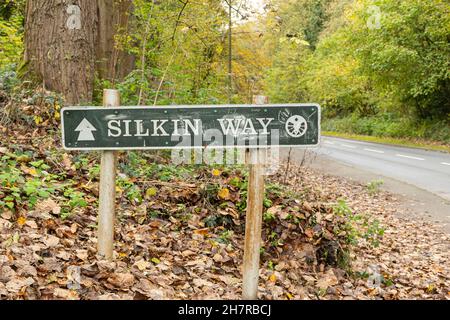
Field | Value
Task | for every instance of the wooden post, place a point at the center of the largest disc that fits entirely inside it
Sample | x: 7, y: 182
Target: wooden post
x: 253, y: 223
x: 106, y: 214
x: 256, y: 159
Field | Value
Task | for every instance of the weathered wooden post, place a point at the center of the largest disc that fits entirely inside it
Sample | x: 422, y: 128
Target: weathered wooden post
x: 256, y: 159
x: 253, y: 223
x: 106, y: 214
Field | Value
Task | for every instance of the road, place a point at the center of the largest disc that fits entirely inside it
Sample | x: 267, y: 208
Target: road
x: 427, y: 170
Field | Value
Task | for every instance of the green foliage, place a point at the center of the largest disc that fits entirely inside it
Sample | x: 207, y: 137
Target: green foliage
x: 76, y: 198
x: 409, y: 54
x: 268, y: 217
x: 374, y: 231
x: 8, y: 78
x: 225, y: 236
x: 24, y: 185
x: 388, y: 125
x: 373, y: 187
x: 363, y: 72
x: 358, y: 226
x: 11, y: 32
x: 179, y: 51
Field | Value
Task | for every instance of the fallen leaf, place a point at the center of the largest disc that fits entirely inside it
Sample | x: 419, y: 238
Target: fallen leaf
x: 121, y: 280
x: 151, y: 192
x: 327, y: 280
x: 203, y: 232
x: 21, y: 221
x: 30, y: 171
x: 73, y: 228
x: 217, y: 258
x: 150, y: 290
x: 309, y: 233
x: 17, y: 284
x: 156, y: 260
x: 66, y: 294
x: 48, y: 206
x: 224, y: 194
x: 142, y: 264
x: 32, y: 224
x: 201, y: 282
x: 51, y: 241
x: 82, y: 254
x: 273, y: 278
x: 284, y: 215
x: 67, y: 163
x: 7, y: 214
x: 274, y: 210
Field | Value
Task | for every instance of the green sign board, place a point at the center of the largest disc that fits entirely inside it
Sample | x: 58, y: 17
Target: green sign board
x: 187, y: 127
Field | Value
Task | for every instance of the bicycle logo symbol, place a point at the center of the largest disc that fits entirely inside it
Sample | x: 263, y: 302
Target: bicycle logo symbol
x: 296, y: 126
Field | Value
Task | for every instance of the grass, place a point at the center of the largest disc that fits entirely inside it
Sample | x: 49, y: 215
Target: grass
x: 421, y: 144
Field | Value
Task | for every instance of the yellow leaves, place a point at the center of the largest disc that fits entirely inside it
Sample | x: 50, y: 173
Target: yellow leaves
x: 273, y: 278
x: 203, y: 232
x: 216, y: 172
x: 57, y: 115
x: 431, y: 288
x: 224, y: 194
x: 38, y: 120
x: 23, y: 158
x: 156, y: 260
x: 151, y: 192
x: 289, y: 296
x: 30, y: 171
x: 21, y: 221
x: 122, y: 255
x: 219, y: 49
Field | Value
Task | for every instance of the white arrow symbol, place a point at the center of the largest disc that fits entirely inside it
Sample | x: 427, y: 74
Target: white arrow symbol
x: 85, y: 128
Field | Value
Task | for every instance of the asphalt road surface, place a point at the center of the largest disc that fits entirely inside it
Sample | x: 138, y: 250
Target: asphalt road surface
x: 427, y: 170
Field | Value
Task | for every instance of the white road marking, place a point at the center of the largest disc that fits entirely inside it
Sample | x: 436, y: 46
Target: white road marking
x: 373, y: 150
x: 409, y: 157
x: 329, y: 142
x: 445, y: 163
x: 348, y: 146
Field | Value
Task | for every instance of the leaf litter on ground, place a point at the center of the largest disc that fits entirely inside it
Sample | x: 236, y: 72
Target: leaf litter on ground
x: 180, y: 230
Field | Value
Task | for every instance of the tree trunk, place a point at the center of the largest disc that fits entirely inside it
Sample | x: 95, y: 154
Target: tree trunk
x: 112, y: 63
x: 67, y: 41
x: 60, y: 38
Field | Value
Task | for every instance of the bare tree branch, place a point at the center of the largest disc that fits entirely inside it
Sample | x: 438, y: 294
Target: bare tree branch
x: 179, y: 18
